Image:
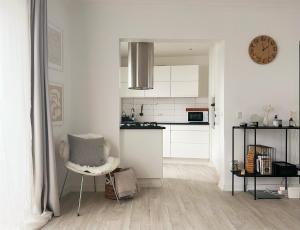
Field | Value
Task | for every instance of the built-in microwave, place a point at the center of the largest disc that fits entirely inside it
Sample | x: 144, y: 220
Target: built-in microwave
x: 197, y: 115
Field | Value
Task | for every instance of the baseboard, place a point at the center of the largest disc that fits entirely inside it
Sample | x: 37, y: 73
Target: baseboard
x: 186, y: 161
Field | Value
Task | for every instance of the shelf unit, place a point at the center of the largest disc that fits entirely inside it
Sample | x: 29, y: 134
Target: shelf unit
x: 256, y: 174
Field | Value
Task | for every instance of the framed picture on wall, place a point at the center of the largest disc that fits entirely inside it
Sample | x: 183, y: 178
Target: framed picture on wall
x: 56, y: 100
x: 55, y: 47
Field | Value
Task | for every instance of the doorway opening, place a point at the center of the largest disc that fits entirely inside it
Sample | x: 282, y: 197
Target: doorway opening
x: 186, y: 96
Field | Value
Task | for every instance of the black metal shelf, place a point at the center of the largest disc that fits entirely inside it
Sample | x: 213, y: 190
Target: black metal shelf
x: 256, y: 175
x: 266, y: 127
x: 238, y: 173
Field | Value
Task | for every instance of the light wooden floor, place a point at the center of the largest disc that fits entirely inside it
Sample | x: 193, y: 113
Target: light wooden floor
x: 189, y: 199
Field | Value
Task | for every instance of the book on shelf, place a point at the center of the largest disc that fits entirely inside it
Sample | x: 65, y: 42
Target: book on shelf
x: 264, y: 164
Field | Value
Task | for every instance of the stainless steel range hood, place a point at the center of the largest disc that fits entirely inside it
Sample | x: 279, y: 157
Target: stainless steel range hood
x: 140, y: 65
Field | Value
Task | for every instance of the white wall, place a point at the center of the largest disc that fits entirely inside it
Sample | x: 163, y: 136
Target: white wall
x: 216, y: 91
x: 247, y: 86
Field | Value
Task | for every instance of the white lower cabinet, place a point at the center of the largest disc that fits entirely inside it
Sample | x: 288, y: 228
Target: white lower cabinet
x: 186, y: 141
x: 166, y: 141
x: 183, y: 150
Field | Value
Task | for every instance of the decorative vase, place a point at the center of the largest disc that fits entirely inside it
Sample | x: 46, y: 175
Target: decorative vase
x: 266, y: 121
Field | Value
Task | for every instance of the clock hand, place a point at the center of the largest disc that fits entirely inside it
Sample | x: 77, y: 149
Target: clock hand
x: 265, y: 48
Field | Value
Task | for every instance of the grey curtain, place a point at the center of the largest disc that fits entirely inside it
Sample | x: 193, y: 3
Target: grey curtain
x: 45, y: 192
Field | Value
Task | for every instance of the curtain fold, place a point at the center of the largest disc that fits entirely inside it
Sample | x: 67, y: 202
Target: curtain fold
x: 45, y: 200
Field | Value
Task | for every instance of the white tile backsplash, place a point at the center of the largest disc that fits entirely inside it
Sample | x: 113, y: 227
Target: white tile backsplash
x: 162, y: 109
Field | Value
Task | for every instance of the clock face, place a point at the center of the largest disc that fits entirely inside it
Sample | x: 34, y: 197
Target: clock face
x: 263, y: 49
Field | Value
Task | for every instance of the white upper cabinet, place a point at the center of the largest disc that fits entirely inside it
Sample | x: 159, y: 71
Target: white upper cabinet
x: 185, y: 81
x: 124, y: 91
x: 162, y: 73
x: 160, y: 89
x: 161, y: 84
x: 169, y: 81
x: 185, y: 73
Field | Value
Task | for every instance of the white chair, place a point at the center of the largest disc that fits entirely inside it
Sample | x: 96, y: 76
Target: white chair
x: 111, y: 163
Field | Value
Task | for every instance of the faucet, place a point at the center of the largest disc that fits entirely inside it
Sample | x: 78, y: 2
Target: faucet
x: 132, y: 114
x: 141, y: 113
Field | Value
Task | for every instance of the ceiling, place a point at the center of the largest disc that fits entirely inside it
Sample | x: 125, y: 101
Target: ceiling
x: 170, y: 49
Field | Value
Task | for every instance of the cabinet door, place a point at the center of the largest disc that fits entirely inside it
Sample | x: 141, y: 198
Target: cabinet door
x: 124, y: 74
x: 166, y: 141
x: 190, y: 141
x: 160, y: 89
x: 183, y: 150
x: 185, y: 81
x: 185, y: 73
x: 190, y: 137
x: 125, y: 92
x: 162, y: 73
x: 184, y: 89
x: 161, y: 85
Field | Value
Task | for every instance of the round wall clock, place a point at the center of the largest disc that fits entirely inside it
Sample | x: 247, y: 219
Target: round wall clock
x: 263, y: 49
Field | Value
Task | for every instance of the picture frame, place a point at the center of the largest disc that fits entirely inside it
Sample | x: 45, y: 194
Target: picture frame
x: 55, y: 47
x: 56, y: 103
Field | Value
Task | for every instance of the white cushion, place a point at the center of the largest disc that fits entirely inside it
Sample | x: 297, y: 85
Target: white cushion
x: 111, y: 164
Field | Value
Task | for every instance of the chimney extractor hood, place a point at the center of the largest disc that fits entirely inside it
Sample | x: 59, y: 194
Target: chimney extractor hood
x: 140, y: 65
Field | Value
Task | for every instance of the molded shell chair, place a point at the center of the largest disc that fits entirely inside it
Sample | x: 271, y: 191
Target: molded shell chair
x: 111, y: 163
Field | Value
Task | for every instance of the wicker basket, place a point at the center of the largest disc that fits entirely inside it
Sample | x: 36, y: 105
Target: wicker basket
x: 109, y: 190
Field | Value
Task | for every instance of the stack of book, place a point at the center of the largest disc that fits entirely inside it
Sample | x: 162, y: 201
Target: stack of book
x: 263, y: 155
x: 264, y: 164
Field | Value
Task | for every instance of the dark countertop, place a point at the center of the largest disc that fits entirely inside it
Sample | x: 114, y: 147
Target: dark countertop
x: 141, y: 127
x: 183, y: 123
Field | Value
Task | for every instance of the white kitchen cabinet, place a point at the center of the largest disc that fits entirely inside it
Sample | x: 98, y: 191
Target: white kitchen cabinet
x: 160, y: 89
x: 183, y: 150
x: 185, y: 73
x: 162, y: 73
x: 190, y: 141
x: 142, y: 149
x: 184, y: 89
x: 161, y: 84
x: 166, y: 141
x: 124, y: 91
x: 169, y: 81
x: 185, y: 81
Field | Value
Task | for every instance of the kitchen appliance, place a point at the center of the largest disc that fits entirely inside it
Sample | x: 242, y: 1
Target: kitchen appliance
x: 140, y: 65
x: 198, y: 115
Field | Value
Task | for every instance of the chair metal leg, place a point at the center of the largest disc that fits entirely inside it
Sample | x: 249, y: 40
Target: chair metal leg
x: 79, y: 201
x: 95, y: 184
x: 62, y: 189
x: 113, y: 184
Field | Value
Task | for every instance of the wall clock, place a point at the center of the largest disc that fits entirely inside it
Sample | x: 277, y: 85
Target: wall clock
x: 263, y: 49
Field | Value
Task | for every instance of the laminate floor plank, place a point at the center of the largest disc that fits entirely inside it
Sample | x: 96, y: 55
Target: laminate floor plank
x: 188, y: 199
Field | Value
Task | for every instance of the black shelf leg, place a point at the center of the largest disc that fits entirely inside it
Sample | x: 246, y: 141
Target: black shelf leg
x: 254, y: 164
x: 245, y: 188
x: 232, y: 178
x: 286, y: 153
